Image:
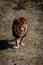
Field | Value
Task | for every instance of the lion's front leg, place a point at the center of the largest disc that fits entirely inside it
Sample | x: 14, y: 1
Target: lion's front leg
x: 17, y: 43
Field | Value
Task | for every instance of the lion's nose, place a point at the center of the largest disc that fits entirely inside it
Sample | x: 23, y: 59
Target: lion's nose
x: 22, y: 29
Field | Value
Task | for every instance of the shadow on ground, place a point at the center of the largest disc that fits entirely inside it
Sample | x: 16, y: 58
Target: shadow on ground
x: 4, y: 44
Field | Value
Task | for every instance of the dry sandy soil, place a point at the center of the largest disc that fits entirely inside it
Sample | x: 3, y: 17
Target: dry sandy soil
x: 32, y: 52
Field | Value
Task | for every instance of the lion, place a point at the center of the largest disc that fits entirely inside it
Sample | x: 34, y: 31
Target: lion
x: 19, y: 30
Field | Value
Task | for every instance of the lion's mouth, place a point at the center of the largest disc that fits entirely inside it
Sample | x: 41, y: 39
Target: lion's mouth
x: 21, y: 30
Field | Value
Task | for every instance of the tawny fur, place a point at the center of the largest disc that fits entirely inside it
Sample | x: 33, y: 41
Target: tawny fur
x: 20, y: 29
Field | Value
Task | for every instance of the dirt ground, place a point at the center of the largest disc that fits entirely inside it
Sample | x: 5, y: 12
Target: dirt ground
x: 32, y: 52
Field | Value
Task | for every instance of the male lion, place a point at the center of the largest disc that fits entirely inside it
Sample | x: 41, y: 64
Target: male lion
x: 19, y: 29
